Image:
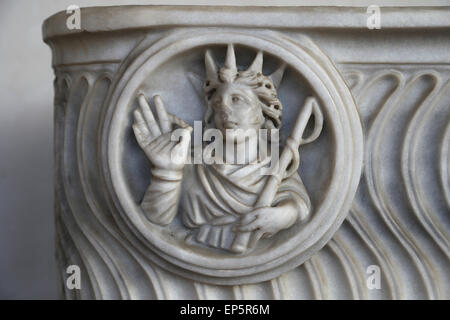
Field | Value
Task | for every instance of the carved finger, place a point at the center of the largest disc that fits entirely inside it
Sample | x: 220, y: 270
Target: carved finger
x: 140, y: 128
x: 139, y: 121
x: 255, y: 237
x: 142, y: 139
x: 251, y: 226
x: 148, y: 116
x: 174, y: 119
x: 163, y: 117
x: 185, y: 138
x: 182, y: 145
x: 249, y: 218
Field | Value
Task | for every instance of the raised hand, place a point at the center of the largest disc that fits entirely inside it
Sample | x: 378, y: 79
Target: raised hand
x: 163, y: 148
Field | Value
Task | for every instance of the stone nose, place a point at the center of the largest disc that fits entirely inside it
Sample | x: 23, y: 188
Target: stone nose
x: 225, y: 111
x: 224, y: 105
x: 227, y: 115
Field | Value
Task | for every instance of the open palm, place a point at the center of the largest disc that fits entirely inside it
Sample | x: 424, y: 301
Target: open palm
x: 165, y: 148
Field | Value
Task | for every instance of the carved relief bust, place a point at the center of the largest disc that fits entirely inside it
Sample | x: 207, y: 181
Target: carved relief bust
x: 220, y: 155
x: 206, y: 159
x: 220, y: 202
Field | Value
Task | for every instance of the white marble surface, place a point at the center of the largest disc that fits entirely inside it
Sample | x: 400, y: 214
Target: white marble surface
x: 26, y: 228
x: 398, y: 220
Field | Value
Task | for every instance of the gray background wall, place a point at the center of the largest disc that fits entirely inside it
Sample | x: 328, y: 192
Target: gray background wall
x: 27, y: 268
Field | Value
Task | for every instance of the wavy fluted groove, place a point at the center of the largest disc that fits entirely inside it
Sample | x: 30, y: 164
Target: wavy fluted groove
x: 86, y: 145
x: 417, y: 155
x: 383, y: 206
x: 384, y: 187
x: 85, y: 213
x: 77, y: 210
x: 391, y: 289
x: 444, y: 165
x: 391, y: 196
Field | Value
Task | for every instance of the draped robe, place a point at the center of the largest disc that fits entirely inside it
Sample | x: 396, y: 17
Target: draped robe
x: 211, y: 199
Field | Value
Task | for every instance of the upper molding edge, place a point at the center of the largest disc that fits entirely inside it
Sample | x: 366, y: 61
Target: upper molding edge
x: 101, y: 19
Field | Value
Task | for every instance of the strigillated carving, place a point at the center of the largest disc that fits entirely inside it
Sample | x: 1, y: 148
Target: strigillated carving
x: 381, y: 106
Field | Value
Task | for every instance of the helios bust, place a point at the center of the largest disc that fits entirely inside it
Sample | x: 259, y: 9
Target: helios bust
x: 228, y: 205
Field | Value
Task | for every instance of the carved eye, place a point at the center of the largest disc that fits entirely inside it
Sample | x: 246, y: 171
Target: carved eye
x: 236, y: 99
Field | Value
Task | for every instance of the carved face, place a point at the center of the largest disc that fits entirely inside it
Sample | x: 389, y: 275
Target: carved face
x: 235, y: 106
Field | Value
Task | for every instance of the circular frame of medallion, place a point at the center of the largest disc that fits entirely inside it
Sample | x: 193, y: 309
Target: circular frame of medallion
x: 340, y: 113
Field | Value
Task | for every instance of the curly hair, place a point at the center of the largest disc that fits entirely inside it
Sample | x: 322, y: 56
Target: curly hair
x: 261, y: 85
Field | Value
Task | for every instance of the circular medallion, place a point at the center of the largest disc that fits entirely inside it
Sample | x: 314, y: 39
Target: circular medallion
x: 330, y: 167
